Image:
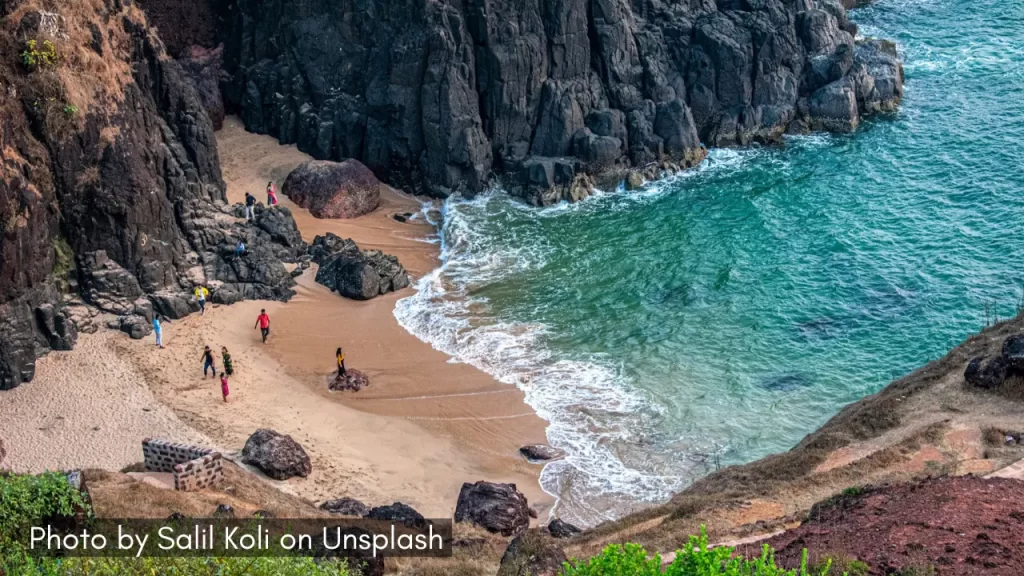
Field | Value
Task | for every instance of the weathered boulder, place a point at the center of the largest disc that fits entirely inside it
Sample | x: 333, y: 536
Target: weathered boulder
x: 398, y: 512
x: 559, y: 529
x: 540, y: 452
x: 1013, y: 352
x: 986, y: 372
x: 346, y: 507
x: 495, y: 507
x: 351, y: 381
x: 333, y: 189
x: 531, y: 554
x: 135, y: 326
x: 277, y: 455
x: 360, y: 275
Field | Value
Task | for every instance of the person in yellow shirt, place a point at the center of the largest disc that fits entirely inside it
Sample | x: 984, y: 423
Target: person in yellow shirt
x: 201, y: 293
x: 340, y: 356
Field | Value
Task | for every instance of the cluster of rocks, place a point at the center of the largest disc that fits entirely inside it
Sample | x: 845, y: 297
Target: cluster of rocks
x: 277, y: 455
x: 989, y: 372
x: 354, y: 273
x: 333, y: 189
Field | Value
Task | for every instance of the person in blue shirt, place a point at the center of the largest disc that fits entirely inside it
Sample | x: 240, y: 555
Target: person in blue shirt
x: 157, y: 330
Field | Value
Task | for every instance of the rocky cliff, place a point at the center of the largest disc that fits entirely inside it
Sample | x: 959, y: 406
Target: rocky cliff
x: 437, y: 96
x: 110, y: 184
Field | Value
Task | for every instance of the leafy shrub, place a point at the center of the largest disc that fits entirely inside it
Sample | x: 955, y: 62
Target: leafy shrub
x: 694, y: 559
x: 35, y: 57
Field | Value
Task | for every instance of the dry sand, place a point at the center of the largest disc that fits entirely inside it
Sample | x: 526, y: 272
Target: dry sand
x: 423, y: 427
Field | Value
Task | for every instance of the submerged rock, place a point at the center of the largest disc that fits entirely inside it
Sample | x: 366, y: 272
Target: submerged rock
x: 495, y: 507
x: 333, y: 189
x: 277, y: 455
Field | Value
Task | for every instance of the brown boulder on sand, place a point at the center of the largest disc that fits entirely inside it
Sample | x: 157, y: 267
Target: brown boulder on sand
x: 277, y: 455
x: 333, y: 189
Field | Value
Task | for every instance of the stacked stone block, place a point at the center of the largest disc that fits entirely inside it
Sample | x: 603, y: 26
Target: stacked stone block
x: 193, y: 467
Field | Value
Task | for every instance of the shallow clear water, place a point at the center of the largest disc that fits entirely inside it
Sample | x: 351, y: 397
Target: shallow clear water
x: 722, y: 315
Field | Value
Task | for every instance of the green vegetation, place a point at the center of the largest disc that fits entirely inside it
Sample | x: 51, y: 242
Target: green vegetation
x: 694, y: 559
x: 33, y: 57
x: 70, y: 109
x: 27, y: 500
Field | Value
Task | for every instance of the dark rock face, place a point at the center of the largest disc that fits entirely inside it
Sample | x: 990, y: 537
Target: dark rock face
x: 346, y: 507
x: 498, y: 508
x: 985, y: 372
x: 540, y: 452
x: 203, y: 66
x: 559, y: 529
x: 118, y: 197
x: 532, y: 555
x: 436, y: 97
x: 277, y: 455
x: 355, y: 274
x: 333, y: 189
x: 351, y: 381
x: 1013, y: 352
x: 398, y: 512
x: 183, y: 24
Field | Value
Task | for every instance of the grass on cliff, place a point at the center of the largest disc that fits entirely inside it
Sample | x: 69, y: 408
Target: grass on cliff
x: 27, y: 500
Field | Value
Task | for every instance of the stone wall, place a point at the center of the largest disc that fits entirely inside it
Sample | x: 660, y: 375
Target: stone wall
x: 193, y: 467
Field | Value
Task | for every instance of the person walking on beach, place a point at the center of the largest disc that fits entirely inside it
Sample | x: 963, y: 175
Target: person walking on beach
x: 208, y: 362
x: 224, y: 385
x: 158, y: 331
x: 263, y: 323
x: 225, y: 356
x: 250, y: 206
x: 201, y: 293
x: 271, y: 194
x: 340, y: 357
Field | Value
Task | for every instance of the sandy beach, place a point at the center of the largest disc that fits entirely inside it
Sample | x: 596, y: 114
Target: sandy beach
x: 423, y: 427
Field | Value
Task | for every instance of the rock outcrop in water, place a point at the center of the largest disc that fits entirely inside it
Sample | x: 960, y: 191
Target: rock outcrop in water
x: 438, y: 96
x: 110, y: 184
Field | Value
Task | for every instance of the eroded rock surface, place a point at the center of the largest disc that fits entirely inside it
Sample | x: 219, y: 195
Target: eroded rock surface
x: 333, y: 189
x: 354, y: 273
x: 277, y: 455
x: 495, y: 507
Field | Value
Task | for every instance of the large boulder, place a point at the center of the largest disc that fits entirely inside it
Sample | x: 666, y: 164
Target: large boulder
x: 986, y: 372
x: 1013, y: 352
x: 355, y: 274
x: 495, y: 507
x: 561, y: 529
x: 333, y: 189
x: 277, y: 455
x: 398, y: 512
x: 531, y: 554
x: 345, y: 507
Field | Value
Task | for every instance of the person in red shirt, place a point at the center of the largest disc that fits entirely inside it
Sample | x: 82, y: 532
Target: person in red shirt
x: 263, y: 323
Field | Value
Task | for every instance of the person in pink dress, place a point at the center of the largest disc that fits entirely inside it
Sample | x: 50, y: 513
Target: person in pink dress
x: 271, y: 194
x: 224, y: 385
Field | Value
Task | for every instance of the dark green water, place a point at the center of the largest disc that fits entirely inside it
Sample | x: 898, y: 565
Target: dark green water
x: 723, y: 315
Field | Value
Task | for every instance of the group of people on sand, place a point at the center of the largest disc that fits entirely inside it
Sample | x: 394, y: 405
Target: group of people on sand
x: 209, y: 367
x: 250, y: 201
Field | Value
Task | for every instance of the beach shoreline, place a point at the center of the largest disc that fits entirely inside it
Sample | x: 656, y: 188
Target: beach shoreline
x: 424, y: 427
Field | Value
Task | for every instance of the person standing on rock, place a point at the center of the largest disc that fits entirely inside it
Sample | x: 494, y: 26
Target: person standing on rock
x: 271, y: 194
x: 201, y: 293
x: 263, y: 323
x: 225, y: 356
x: 208, y: 362
x: 340, y: 357
x: 250, y: 206
x: 158, y: 331
x: 224, y: 385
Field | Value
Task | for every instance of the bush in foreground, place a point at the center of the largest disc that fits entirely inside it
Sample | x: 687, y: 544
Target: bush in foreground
x: 695, y: 559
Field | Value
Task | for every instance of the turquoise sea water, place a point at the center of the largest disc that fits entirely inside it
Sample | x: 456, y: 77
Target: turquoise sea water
x: 720, y: 316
